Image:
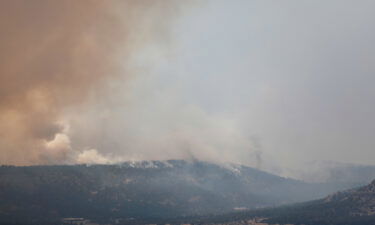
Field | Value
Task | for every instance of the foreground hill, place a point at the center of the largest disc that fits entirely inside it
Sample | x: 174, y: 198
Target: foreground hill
x: 352, y: 207
x: 148, y: 189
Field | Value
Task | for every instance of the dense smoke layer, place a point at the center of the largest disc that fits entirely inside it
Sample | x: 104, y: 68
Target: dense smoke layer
x: 262, y: 83
x: 57, y: 54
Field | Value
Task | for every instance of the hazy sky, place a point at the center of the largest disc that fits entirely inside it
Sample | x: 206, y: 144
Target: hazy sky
x: 298, y: 75
x: 271, y: 84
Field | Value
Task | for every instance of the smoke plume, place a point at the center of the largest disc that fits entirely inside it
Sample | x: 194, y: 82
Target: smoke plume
x: 54, y: 55
x: 95, y: 81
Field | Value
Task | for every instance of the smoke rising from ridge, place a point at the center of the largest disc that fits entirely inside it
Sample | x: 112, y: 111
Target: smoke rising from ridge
x: 55, y: 55
x: 124, y: 80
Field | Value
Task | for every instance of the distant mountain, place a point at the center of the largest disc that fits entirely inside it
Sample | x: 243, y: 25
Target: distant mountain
x: 337, y: 172
x: 132, y: 191
x: 352, y: 207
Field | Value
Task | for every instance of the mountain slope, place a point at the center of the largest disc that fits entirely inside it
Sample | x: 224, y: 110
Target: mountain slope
x: 147, y: 189
x: 352, y: 207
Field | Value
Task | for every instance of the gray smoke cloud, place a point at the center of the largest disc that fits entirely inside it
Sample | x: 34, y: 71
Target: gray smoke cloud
x: 296, y: 75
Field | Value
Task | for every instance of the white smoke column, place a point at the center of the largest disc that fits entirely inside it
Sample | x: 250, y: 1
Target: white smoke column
x: 91, y: 156
x: 58, y: 149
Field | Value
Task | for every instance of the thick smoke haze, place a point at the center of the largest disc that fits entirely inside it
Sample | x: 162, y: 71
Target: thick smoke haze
x: 264, y: 83
x: 56, y: 55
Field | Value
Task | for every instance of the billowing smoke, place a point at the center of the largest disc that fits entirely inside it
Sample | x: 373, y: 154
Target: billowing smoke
x: 55, y: 55
x: 78, y: 85
x: 271, y: 85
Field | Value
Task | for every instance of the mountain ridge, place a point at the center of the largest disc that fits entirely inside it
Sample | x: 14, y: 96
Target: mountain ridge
x: 157, y: 189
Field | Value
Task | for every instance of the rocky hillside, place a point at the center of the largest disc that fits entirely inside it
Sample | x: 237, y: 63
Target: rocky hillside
x: 356, y: 202
x: 352, y: 207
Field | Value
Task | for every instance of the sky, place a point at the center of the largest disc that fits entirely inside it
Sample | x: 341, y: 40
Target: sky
x: 270, y: 84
